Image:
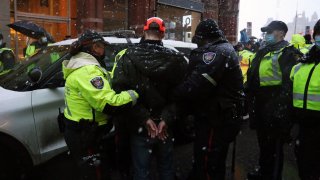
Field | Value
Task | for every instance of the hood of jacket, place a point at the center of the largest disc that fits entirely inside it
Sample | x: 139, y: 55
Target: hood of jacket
x: 79, y: 60
x: 154, y: 60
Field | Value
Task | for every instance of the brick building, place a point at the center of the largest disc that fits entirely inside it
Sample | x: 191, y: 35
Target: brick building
x: 131, y: 14
x: 69, y: 18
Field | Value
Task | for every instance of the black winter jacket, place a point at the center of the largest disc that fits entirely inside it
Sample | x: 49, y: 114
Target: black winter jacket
x: 153, y: 71
x: 213, y: 85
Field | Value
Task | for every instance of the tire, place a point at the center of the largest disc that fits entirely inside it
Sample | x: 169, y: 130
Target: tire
x: 15, y: 162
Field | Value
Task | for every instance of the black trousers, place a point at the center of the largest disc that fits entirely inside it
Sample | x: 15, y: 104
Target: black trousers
x: 308, y: 152
x: 123, y: 149
x: 210, y: 152
x: 271, y: 153
x: 88, y: 151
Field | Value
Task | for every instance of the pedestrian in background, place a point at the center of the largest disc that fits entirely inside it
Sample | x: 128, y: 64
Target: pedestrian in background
x: 7, y: 58
x: 35, y: 46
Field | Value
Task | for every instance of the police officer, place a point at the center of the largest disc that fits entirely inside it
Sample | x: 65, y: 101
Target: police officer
x: 245, y: 57
x: 214, y: 90
x: 7, y: 58
x: 88, y: 99
x: 298, y: 41
x: 269, y: 89
x: 31, y: 49
x: 306, y: 102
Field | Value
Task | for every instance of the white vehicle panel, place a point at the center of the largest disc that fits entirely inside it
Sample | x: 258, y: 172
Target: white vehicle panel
x: 16, y: 120
x: 46, y: 104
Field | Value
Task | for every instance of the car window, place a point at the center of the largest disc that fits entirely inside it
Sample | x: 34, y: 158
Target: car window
x: 18, y: 78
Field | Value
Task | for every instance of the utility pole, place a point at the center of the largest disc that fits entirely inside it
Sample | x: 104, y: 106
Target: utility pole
x: 296, y: 19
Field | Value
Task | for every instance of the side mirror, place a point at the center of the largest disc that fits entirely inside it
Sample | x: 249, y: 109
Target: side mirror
x: 35, y: 75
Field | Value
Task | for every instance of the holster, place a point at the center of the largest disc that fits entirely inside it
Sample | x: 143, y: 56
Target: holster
x: 61, y: 123
x: 89, y: 131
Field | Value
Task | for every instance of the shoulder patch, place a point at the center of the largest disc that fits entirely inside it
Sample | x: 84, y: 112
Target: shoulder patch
x: 208, y: 57
x: 97, y: 82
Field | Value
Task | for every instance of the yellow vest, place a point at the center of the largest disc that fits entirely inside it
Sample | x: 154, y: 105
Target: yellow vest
x: 306, y: 86
x: 269, y: 70
x: 31, y: 49
x: 245, y: 58
x: 87, y: 88
x: 2, y: 71
x: 118, y: 56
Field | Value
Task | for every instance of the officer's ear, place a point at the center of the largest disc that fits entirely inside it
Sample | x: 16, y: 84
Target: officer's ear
x: 282, y: 34
x: 161, y: 35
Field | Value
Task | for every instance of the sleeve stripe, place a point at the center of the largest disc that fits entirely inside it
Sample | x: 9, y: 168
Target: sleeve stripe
x: 133, y: 97
x: 210, y: 79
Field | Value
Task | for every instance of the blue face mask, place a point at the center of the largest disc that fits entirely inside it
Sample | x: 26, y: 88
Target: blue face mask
x: 317, y: 40
x: 270, y: 39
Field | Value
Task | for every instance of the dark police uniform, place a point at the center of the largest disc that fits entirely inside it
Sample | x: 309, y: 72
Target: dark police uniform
x: 213, y: 89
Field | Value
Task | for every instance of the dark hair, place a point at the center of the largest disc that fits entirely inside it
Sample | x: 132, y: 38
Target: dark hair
x: 75, y: 48
x: 308, y: 38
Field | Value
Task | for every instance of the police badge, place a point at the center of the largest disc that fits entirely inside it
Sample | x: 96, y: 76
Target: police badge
x: 208, y: 57
x: 97, y: 82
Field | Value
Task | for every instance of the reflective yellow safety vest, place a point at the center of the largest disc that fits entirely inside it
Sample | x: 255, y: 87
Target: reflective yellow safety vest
x: 31, y: 49
x: 87, y: 90
x: 306, y: 48
x: 306, y: 86
x: 2, y: 71
x: 118, y: 56
x: 269, y: 70
x: 245, y: 58
x: 299, y: 43
x: 54, y: 56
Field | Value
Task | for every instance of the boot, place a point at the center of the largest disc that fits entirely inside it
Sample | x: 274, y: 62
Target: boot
x: 254, y: 175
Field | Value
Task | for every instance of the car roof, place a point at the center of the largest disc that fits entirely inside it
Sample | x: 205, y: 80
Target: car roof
x: 115, y: 40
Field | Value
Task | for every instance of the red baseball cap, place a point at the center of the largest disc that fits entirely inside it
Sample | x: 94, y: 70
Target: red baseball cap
x: 154, y: 23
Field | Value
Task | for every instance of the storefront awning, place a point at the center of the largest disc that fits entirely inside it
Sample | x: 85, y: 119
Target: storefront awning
x: 185, y: 4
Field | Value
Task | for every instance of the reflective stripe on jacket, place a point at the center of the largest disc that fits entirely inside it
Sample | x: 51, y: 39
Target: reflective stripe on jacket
x: 269, y: 70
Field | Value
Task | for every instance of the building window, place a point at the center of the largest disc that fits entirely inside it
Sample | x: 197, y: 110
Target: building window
x: 115, y: 15
x: 180, y: 23
x: 52, y: 15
